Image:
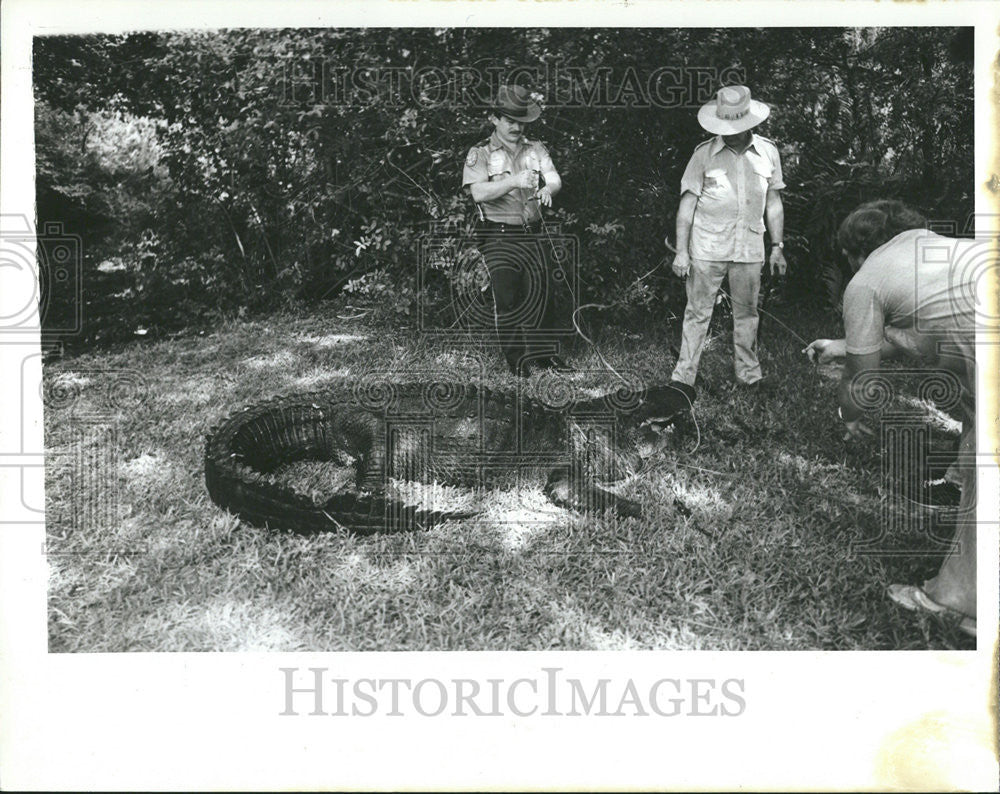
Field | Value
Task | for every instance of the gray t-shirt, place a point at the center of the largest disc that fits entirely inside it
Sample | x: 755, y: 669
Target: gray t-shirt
x: 920, y: 284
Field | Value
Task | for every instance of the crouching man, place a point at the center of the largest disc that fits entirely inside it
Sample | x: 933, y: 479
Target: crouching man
x: 911, y: 295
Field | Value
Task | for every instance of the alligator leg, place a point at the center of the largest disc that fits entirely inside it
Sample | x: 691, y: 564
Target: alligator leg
x: 375, y: 510
x: 586, y: 497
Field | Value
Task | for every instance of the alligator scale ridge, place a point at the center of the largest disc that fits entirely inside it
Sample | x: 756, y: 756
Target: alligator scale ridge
x: 442, y: 432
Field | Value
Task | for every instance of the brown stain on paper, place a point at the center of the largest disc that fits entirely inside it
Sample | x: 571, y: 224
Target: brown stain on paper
x: 944, y: 750
x: 940, y: 751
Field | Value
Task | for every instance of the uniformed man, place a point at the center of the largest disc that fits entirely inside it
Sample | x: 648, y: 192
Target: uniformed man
x: 729, y: 191
x: 510, y: 178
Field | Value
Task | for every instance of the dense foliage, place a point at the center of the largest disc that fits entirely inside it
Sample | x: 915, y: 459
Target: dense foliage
x: 215, y: 173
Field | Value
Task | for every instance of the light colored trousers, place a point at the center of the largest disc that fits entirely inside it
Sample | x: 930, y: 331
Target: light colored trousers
x: 703, y: 282
x: 955, y: 584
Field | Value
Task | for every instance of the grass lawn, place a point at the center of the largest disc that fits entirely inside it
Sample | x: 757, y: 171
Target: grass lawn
x: 140, y: 558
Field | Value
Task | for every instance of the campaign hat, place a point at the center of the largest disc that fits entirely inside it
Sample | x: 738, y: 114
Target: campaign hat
x: 515, y: 102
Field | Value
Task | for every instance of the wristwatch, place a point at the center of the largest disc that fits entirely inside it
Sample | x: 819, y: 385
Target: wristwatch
x: 780, y: 245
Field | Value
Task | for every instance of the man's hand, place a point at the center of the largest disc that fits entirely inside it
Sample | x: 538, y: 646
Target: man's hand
x: 526, y: 179
x: 857, y: 430
x: 544, y: 197
x: 681, y: 264
x: 778, y: 261
x: 823, y: 351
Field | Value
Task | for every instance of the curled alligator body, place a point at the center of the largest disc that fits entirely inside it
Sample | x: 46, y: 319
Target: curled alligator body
x: 446, y: 433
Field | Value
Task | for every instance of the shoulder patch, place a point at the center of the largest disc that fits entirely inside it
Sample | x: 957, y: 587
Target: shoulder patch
x: 473, y: 157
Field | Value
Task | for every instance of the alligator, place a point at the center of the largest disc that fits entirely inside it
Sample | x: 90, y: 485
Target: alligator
x: 441, y: 432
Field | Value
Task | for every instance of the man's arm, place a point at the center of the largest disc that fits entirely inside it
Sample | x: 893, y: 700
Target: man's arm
x: 553, y: 182
x: 774, y: 218
x: 487, y: 191
x: 685, y: 218
x: 691, y: 186
x: 850, y: 411
x: 552, y: 185
x: 823, y: 351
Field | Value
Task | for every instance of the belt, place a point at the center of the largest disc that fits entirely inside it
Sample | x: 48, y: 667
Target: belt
x: 501, y: 226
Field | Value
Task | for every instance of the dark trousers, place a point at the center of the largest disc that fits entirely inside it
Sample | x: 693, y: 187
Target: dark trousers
x: 528, y: 315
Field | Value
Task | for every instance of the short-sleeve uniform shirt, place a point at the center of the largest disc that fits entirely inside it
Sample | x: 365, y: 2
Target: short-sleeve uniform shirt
x: 920, y: 285
x: 490, y: 160
x: 732, y: 191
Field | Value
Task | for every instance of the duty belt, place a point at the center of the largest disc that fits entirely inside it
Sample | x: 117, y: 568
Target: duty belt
x: 503, y: 227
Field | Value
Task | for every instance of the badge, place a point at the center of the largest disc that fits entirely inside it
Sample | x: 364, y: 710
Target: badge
x: 472, y: 158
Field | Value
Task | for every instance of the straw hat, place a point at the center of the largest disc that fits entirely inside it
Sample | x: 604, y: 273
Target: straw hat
x: 732, y: 111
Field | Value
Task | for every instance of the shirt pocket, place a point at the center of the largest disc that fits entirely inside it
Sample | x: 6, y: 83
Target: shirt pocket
x: 764, y: 170
x: 497, y: 164
x: 716, y: 182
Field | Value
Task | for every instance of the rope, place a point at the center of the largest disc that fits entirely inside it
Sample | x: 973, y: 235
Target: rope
x: 600, y: 306
x: 764, y: 311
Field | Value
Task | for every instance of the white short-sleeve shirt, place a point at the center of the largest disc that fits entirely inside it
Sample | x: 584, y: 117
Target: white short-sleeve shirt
x: 732, y: 192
